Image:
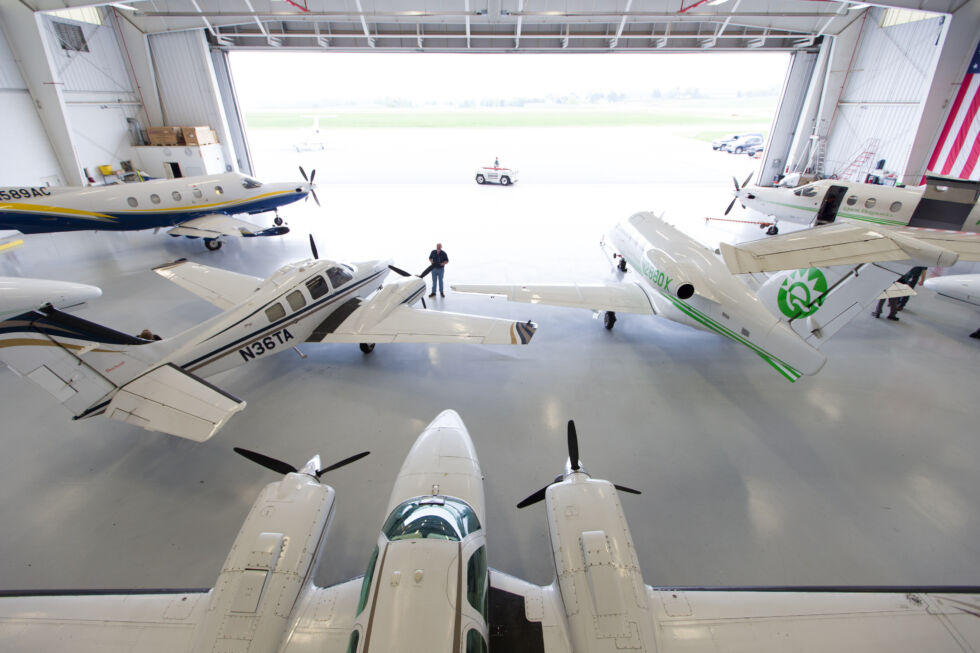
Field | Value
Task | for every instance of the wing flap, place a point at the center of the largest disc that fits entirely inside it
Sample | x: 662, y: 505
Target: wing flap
x: 406, y: 324
x: 618, y: 297
x: 169, y: 400
x: 526, y: 617
x: 222, y: 288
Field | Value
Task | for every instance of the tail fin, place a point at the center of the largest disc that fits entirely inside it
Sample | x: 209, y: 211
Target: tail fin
x: 817, y: 302
x: 91, y: 369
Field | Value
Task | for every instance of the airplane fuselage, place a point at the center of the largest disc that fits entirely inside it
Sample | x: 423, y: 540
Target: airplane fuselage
x: 146, y: 205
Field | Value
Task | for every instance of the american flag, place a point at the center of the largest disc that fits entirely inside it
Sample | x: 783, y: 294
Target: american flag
x: 958, y: 148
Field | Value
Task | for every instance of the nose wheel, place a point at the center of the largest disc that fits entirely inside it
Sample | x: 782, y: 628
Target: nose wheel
x: 608, y: 319
x: 277, y: 221
x: 367, y: 347
x: 213, y: 244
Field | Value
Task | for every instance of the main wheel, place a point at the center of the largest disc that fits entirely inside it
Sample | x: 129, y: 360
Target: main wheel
x: 212, y: 244
x: 505, y: 181
x: 608, y: 319
x: 367, y: 347
x: 773, y: 230
x: 480, y: 179
x: 277, y: 221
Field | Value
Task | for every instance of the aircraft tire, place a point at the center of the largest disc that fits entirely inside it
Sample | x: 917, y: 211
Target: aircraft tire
x: 277, y: 221
x: 212, y: 244
x: 367, y: 347
x: 773, y: 230
x: 608, y: 319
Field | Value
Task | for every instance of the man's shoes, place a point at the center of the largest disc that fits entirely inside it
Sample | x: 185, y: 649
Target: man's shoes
x: 893, y: 318
x: 432, y: 294
x: 875, y: 314
x: 442, y: 294
x: 976, y: 334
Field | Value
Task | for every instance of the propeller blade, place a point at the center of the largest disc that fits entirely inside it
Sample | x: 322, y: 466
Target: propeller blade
x: 747, y: 180
x: 573, y: 446
x: 315, y: 198
x: 303, y: 172
x: 316, y: 255
x: 623, y: 488
x: 734, y: 181
x: 399, y: 271
x: 425, y: 271
x: 534, y: 498
x: 730, y: 205
x: 266, y: 461
x: 312, y: 175
x: 345, y: 461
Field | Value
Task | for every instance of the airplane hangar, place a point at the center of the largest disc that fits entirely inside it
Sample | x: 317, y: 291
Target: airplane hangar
x: 862, y: 475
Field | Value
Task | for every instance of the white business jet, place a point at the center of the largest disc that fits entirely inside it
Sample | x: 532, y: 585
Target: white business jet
x: 159, y: 386
x: 20, y: 294
x: 960, y: 288
x: 427, y: 586
x: 669, y: 274
x: 196, y: 207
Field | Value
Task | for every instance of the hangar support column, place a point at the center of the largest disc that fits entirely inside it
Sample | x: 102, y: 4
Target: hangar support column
x: 22, y: 29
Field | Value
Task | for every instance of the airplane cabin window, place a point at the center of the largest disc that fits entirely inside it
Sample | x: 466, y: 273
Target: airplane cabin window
x: 366, y: 583
x: 296, y: 300
x: 218, y: 190
x: 198, y: 194
x: 275, y: 312
x: 476, y: 581
x: 895, y: 207
x: 870, y: 202
x: 475, y: 642
x: 440, y: 518
x: 248, y: 182
x: 176, y: 196
x: 338, y: 276
x: 155, y: 198
x: 852, y: 200
x: 132, y: 201
x: 317, y: 287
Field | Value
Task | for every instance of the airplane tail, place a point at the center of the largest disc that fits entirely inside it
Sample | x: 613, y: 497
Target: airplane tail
x: 817, y: 302
x: 92, y: 369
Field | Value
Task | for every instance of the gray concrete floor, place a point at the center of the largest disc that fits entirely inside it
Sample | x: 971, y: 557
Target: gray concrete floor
x: 865, y: 474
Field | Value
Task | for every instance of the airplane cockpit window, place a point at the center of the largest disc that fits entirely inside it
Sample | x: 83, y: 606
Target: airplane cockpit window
x: 476, y: 581
x: 317, y: 287
x: 296, y: 300
x: 366, y: 584
x: 806, y: 191
x: 475, y: 642
x: 431, y: 517
x: 275, y: 312
x: 248, y: 182
x: 852, y: 200
x: 338, y: 276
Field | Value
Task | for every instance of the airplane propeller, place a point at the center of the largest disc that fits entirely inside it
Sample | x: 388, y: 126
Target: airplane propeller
x: 409, y: 274
x: 737, y: 188
x: 316, y: 255
x: 574, y: 464
x: 283, y: 467
x: 309, y: 180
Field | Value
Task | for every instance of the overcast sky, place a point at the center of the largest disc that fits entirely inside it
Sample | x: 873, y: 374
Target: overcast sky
x: 266, y: 78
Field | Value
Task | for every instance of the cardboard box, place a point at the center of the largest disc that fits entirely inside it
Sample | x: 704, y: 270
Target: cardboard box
x: 164, y: 135
x: 199, y: 135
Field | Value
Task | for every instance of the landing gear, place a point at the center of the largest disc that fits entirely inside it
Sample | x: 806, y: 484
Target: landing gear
x: 277, y: 221
x: 622, y: 265
x: 212, y: 244
x: 772, y: 230
x: 608, y: 319
x: 367, y: 347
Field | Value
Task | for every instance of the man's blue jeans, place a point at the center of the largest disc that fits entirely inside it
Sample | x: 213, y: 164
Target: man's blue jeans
x: 437, y: 274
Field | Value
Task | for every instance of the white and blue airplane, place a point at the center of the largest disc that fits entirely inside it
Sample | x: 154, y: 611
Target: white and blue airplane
x: 196, y: 207
x: 427, y: 585
x: 158, y: 384
x: 959, y: 288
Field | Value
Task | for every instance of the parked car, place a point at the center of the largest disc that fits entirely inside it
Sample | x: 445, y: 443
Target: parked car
x: 755, y: 151
x: 720, y: 143
x: 495, y: 175
x: 743, y: 143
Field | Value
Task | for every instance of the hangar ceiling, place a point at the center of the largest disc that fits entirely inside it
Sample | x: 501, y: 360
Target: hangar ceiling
x: 503, y: 25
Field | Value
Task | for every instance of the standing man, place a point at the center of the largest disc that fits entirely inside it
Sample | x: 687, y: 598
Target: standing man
x: 439, y: 260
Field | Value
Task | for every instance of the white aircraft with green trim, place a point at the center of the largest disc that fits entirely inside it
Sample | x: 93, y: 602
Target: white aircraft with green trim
x: 945, y: 203
x: 669, y: 274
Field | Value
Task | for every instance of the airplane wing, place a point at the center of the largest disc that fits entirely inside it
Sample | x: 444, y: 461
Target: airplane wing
x: 90, y: 622
x: 847, y: 244
x: 213, y: 226
x: 406, y: 324
x: 222, y: 288
x: 612, y: 296
x: 694, y: 621
x: 526, y: 617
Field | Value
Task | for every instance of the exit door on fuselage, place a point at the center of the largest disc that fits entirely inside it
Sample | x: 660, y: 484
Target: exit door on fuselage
x: 831, y: 202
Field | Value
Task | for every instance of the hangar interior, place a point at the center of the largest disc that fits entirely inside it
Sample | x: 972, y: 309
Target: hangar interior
x: 862, y: 475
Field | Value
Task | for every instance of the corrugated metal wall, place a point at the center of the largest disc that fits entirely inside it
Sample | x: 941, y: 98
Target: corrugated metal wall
x: 880, y: 105
x: 10, y: 77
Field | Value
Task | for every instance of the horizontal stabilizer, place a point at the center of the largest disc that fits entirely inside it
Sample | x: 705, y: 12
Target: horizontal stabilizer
x: 614, y: 296
x: 222, y: 288
x: 169, y: 400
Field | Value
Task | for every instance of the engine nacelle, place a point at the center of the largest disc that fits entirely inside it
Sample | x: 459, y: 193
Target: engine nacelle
x: 668, y: 276
x: 403, y: 290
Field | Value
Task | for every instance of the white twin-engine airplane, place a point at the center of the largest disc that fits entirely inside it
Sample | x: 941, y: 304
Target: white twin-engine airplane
x: 196, y: 207
x: 158, y: 385
x: 670, y: 274
x: 427, y: 585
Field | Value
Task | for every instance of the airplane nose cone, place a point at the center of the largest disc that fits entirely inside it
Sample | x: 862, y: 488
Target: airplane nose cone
x: 443, y: 461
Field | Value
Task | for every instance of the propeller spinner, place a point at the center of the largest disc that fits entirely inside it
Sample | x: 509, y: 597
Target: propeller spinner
x: 309, y: 180
x: 737, y: 189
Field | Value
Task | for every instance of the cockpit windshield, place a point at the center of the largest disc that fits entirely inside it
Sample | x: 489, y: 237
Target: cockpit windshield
x: 442, y: 518
x: 248, y: 182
